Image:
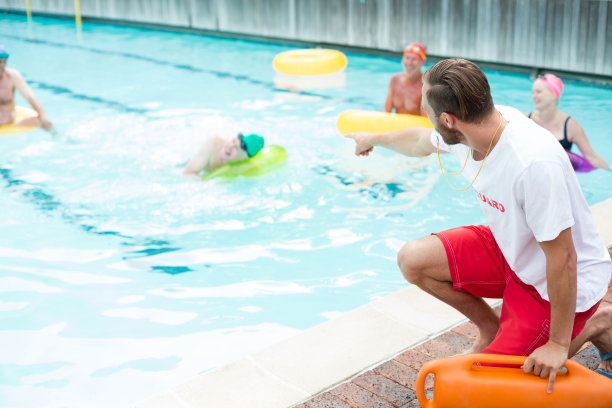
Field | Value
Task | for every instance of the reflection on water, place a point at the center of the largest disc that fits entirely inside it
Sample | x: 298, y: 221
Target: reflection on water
x: 310, y: 82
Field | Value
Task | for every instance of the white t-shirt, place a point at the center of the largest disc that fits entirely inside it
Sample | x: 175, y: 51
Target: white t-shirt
x: 529, y: 193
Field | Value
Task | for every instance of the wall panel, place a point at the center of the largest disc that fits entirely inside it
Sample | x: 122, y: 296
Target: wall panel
x: 568, y: 35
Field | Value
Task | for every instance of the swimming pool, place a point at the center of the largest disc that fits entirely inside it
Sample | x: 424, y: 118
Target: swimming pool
x: 120, y: 278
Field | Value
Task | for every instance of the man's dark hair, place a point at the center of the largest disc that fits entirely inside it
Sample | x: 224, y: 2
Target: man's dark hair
x: 459, y: 87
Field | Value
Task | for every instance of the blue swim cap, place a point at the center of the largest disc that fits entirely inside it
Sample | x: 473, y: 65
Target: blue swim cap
x: 251, y: 144
x: 3, y: 52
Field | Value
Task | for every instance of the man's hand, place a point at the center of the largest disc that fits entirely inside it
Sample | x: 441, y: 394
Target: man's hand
x: 546, y: 360
x: 362, y: 144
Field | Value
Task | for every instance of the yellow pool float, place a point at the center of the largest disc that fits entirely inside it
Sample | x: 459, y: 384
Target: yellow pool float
x: 22, y: 113
x: 317, y: 61
x: 352, y: 121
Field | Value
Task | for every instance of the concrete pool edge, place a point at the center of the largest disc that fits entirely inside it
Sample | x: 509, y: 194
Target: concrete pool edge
x: 292, y: 371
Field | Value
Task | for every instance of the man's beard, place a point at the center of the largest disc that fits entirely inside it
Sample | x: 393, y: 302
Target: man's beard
x: 450, y: 136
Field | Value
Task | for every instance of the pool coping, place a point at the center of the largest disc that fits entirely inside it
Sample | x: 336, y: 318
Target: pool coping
x: 294, y: 370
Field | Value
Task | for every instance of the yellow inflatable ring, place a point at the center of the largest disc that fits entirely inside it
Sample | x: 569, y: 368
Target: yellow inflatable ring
x: 316, y: 61
x: 22, y: 113
x: 352, y: 121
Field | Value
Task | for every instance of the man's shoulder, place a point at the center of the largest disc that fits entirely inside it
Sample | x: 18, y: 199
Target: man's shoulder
x: 510, y: 112
x: 397, y: 77
x: 13, y: 73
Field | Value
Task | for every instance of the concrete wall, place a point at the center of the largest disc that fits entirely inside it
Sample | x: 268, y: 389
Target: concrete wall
x: 565, y: 35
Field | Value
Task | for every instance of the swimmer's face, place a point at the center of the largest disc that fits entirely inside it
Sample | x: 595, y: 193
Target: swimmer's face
x: 231, y: 151
x: 542, y: 96
x: 3, y: 62
x: 411, y: 63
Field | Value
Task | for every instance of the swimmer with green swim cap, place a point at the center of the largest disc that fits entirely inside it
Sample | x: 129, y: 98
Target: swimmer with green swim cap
x: 251, y: 144
x: 3, y: 53
x: 11, y: 79
x: 217, y: 151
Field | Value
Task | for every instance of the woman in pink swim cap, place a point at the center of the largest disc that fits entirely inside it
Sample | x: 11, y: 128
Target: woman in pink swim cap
x: 545, y: 92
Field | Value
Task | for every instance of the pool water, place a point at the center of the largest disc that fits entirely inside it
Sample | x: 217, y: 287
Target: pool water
x: 120, y: 278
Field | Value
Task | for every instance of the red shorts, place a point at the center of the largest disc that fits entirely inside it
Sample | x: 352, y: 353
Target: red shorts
x: 477, y: 266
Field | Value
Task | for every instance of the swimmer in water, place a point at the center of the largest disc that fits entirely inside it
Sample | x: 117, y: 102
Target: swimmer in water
x: 11, y: 79
x: 218, y: 150
x: 546, y: 92
x: 404, y: 94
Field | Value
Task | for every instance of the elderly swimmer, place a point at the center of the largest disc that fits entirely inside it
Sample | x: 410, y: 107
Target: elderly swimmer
x: 11, y: 79
x: 404, y: 95
x: 546, y: 92
x: 218, y: 150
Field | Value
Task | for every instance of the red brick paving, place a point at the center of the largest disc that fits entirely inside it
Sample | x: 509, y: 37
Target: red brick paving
x: 392, y: 384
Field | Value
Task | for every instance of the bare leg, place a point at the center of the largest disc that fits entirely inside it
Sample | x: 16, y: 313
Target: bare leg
x: 424, y: 263
x: 603, y: 341
x: 597, y: 330
x: 36, y: 122
x: 29, y: 122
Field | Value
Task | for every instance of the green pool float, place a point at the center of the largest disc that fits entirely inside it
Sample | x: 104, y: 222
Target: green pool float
x: 267, y: 160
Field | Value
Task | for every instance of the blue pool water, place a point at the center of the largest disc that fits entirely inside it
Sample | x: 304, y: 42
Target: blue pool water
x: 119, y: 278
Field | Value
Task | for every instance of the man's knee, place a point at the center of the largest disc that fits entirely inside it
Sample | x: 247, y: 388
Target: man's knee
x: 412, y: 260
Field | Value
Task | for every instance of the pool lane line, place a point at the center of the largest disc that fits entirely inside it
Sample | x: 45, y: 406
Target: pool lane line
x: 383, y: 190
x: 219, y: 74
x: 60, y: 90
x: 49, y: 204
x: 185, y: 67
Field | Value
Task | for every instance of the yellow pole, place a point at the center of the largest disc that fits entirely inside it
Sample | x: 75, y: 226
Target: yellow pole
x: 77, y: 18
x: 29, y: 14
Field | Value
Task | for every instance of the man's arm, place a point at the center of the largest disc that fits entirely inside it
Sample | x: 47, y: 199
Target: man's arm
x: 413, y: 141
x: 561, y: 278
x: 22, y: 86
x: 198, y: 162
x: 389, y: 101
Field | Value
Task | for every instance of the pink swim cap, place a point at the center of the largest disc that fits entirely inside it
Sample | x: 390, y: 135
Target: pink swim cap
x: 553, y: 83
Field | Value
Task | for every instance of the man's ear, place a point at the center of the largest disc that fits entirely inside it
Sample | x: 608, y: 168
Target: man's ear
x: 448, y: 119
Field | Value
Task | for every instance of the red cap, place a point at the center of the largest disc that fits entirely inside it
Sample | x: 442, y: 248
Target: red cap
x: 416, y: 49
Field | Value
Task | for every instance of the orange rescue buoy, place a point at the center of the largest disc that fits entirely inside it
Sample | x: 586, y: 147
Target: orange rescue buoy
x: 459, y: 383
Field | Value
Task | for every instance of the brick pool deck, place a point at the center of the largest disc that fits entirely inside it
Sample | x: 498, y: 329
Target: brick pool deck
x: 392, y: 384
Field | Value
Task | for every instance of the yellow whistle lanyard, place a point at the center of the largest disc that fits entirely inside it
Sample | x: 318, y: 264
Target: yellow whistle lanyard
x: 466, y: 160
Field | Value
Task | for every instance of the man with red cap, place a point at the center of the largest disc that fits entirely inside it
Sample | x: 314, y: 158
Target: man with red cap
x: 405, y: 87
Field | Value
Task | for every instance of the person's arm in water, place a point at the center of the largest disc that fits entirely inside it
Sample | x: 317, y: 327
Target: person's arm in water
x: 199, y: 161
x: 576, y: 135
x: 389, y: 101
x: 561, y: 278
x: 21, y: 85
x: 413, y: 141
